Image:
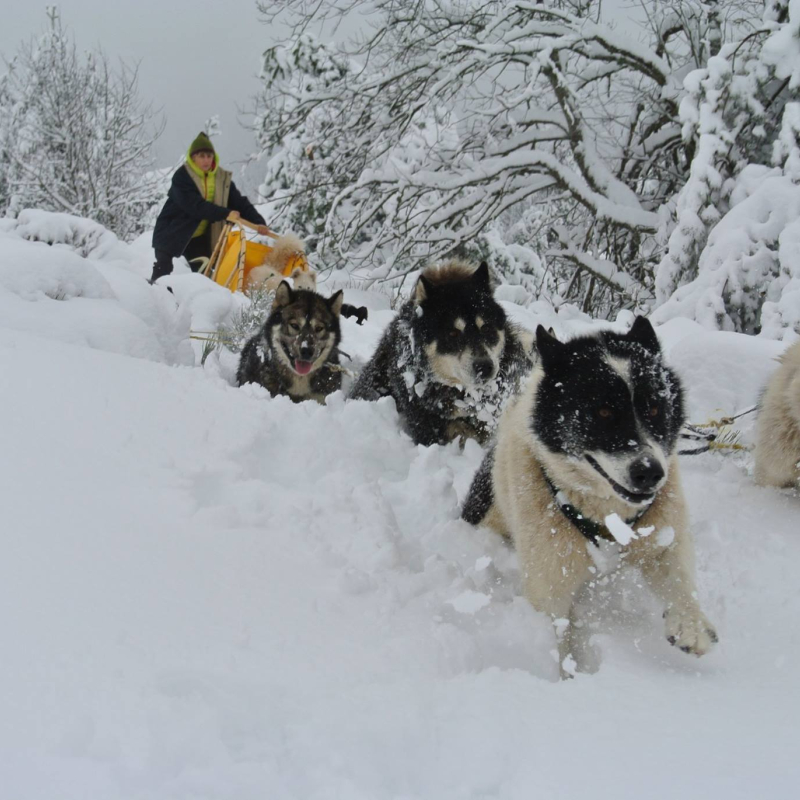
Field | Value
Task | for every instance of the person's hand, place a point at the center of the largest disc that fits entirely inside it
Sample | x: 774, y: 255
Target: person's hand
x: 263, y: 230
x: 234, y: 216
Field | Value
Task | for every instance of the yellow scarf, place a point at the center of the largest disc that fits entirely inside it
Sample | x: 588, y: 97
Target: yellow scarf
x: 209, y: 180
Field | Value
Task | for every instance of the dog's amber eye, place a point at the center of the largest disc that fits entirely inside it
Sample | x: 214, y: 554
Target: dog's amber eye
x: 605, y: 413
x: 653, y: 411
x: 294, y: 327
x: 318, y: 329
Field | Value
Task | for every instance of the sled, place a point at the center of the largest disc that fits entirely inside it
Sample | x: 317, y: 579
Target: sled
x: 234, y: 256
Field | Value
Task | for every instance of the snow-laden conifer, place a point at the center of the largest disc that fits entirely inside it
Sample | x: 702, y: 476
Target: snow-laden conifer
x: 733, y: 255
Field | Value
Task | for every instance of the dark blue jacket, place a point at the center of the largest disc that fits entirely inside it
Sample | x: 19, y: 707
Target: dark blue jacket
x: 185, y: 209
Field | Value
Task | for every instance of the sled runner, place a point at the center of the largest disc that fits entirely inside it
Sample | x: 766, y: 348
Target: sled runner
x: 234, y: 256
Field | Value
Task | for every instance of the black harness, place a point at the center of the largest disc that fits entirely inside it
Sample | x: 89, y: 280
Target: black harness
x: 593, y: 531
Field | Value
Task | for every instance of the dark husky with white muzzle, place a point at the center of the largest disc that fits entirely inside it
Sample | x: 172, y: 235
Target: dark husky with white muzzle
x: 296, y: 352
x: 450, y: 359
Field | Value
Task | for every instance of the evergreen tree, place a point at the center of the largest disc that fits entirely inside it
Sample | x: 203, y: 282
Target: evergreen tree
x: 733, y: 257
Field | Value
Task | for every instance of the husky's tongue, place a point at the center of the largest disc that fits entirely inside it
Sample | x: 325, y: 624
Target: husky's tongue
x: 302, y: 367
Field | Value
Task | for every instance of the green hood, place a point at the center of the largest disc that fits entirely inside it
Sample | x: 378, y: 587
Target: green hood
x: 194, y: 168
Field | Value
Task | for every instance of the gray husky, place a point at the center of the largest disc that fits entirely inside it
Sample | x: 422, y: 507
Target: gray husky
x: 586, y: 452
x: 296, y: 352
x: 450, y: 359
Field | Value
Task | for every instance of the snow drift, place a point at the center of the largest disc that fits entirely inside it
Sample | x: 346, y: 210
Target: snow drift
x: 211, y: 593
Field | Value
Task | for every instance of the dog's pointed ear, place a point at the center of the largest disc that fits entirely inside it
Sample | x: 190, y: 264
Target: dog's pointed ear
x: 550, y: 349
x: 335, y: 302
x: 643, y: 333
x: 482, y: 278
x: 423, y: 289
x: 283, y: 295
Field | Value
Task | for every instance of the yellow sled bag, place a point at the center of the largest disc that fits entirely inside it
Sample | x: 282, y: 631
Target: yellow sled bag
x: 234, y: 257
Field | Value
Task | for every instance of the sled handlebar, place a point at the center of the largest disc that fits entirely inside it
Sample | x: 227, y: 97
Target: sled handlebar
x: 252, y: 226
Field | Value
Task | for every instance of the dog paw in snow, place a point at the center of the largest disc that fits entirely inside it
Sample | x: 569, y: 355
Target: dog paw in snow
x: 690, y: 632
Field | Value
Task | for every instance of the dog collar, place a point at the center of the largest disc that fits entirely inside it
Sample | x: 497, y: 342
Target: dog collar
x: 593, y: 531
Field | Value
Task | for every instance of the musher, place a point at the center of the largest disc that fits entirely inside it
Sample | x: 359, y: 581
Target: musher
x: 202, y: 196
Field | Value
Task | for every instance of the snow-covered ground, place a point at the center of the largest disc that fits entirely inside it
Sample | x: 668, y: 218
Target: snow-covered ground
x: 209, y: 593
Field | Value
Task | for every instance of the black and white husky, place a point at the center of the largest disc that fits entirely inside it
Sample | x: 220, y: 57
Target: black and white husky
x: 586, y: 452
x: 296, y: 352
x: 450, y: 358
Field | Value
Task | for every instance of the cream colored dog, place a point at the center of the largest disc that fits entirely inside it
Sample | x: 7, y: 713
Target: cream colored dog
x: 271, y: 272
x: 587, y: 453
x: 777, y: 449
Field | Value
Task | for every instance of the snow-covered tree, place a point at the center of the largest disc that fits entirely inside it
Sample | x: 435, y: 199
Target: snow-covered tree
x: 306, y: 167
x: 733, y: 259
x: 74, y: 135
x: 452, y: 115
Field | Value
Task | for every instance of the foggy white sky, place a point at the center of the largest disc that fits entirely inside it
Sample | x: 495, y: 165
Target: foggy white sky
x: 197, y: 58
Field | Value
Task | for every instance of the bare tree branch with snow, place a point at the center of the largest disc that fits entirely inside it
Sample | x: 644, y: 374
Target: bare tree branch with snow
x: 445, y: 116
x: 75, y: 136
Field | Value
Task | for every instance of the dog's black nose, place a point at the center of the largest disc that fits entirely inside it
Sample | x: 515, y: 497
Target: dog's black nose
x: 645, y: 474
x: 483, y: 368
x: 306, y: 353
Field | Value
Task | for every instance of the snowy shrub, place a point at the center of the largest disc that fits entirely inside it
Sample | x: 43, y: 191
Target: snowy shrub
x: 245, y: 322
x: 731, y: 261
x: 34, y: 273
x: 750, y: 257
x: 82, y: 236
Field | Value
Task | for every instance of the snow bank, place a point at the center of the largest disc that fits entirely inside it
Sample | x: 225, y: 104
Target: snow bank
x: 71, y: 280
x: 65, y: 232
x: 211, y: 593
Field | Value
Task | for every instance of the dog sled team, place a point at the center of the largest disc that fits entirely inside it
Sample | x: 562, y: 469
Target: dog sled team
x: 580, y: 436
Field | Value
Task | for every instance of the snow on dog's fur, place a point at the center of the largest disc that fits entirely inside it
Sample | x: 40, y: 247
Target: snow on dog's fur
x: 270, y: 274
x: 777, y: 451
x: 450, y: 359
x: 593, y: 434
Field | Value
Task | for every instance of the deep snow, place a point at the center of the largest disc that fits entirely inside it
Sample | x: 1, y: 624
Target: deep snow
x: 209, y: 593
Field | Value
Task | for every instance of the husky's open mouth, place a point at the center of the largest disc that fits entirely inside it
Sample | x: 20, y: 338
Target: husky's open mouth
x: 302, y: 367
x: 637, y: 498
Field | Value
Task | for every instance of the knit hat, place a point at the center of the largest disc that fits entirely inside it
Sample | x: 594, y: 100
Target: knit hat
x: 200, y: 144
